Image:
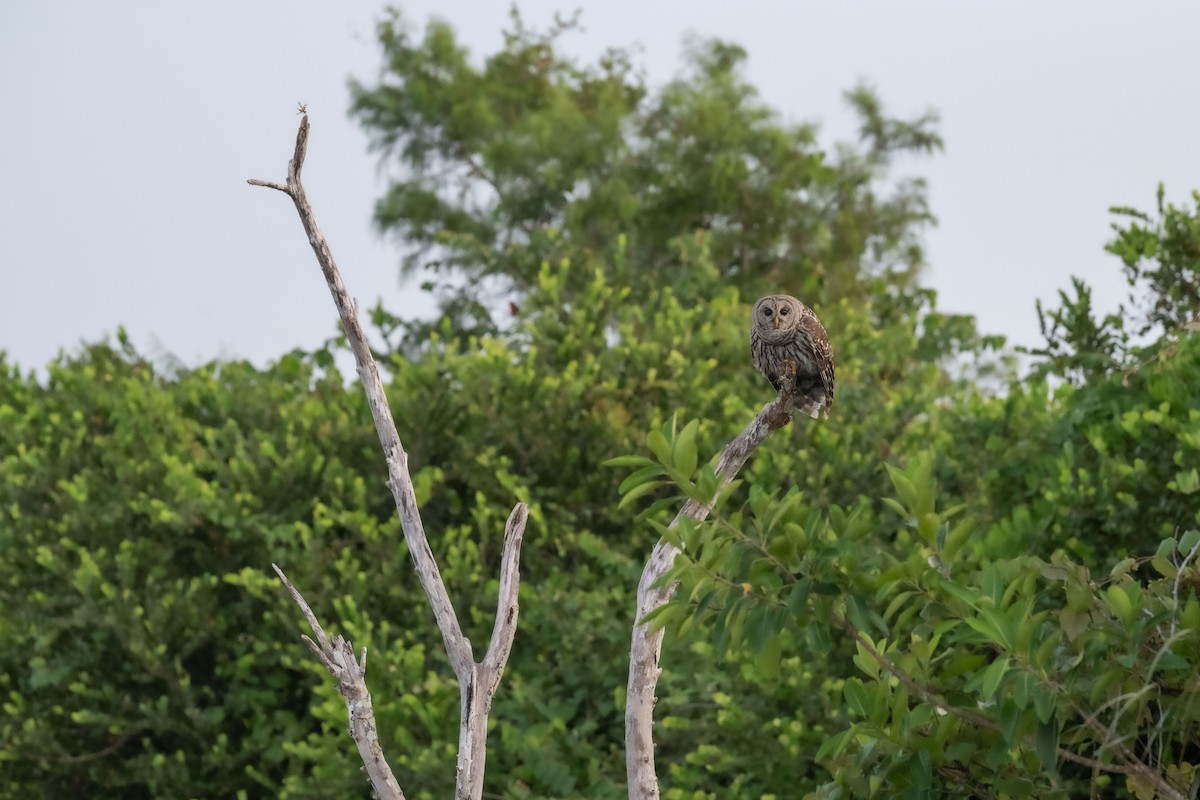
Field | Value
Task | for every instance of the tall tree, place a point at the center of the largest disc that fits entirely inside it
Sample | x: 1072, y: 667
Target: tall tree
x: 530, y: 157
x: 1160, y: 260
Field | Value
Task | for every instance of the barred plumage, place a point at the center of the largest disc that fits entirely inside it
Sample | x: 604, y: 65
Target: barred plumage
x: 786, y: 340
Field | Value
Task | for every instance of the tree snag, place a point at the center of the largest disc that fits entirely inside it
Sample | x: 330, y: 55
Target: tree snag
x: 646, y: 646
x: 477, y: 681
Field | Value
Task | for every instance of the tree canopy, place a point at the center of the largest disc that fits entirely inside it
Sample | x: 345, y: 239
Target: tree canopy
x: 530, y: 157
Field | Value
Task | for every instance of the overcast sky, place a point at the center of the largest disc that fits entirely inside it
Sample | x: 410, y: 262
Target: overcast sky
x: 127, y: 131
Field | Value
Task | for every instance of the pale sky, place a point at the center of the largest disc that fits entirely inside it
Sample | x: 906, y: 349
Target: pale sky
x: 127, y: 131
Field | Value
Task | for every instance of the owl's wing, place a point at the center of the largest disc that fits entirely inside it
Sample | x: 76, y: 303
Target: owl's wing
x: 762, y: 361
x: 823, y: 352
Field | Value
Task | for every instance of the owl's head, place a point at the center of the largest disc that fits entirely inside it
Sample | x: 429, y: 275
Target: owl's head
x: 777, y: 315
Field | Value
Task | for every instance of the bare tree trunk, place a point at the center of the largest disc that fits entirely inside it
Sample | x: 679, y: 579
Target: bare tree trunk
x: 477, y: 681
x: 646, y: 646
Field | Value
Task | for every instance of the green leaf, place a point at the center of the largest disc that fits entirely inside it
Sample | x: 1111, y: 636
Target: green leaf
x: 768, y: 657
x: 664, y: 615
x: 706, y: 482
x: 927, y: 526
x: 1167, y: 547
x: 1010, y: 719
x: 896, y: 604
x: 859, y: 612
x: 627, y: 461
x: 864, y: 659
x: 1142, y: 788
x: 906, y: 490
x: 1002, y: 624
x: 1073, y: 623
x: 896, y: 506
x: 1186, y: 481
x: 637, y: 491
x: 858, y: 699
x: 956, y: 538
x: 1122, y: 568
x: 984, y: 628
x: 642, y: 475
x: 817, y: 638
x: 992, y: 677
x: 960, y: 751
x: 1047, y: 746
x: 798, y: 598
x: 968, y: 596
x: 661, y: 448
x: 1189, y: 541
x: 1119, y: 603
x: 684, y: 456
x: 1163, y: 566
x: 993, y: 585
x: 833, y: 745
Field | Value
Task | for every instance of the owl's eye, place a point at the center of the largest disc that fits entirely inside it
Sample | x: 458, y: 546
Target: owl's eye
x: 783, y: 312
x: 766, y: 312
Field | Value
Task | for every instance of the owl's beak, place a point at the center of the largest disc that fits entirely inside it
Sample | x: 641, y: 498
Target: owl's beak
x: 775, y: 322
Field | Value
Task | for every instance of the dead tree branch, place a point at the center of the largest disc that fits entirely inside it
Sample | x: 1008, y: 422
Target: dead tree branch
x: 338, y: 657
x: 477, y: 681
x: 646, y: 647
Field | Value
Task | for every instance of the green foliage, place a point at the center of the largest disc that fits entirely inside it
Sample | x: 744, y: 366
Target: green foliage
x: 961, y: 673
x: 943, y: 589
x: 148, y: 651
x: 530, y: 157
x: 1079, y: 347
x: 1161, y: 258
x: 997, y: 622
x: 144, y: 651
x: 1161, y: 262
x: 1096, y: 469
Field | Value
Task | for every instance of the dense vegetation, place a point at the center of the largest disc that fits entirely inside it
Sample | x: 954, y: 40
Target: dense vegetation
x: 965, y: 582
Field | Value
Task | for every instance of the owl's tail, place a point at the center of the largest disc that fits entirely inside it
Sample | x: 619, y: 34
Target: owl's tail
x: 813, y: 396
x: 813, y: 403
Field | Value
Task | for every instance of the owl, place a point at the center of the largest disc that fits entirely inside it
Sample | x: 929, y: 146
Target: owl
x: 789, y: 343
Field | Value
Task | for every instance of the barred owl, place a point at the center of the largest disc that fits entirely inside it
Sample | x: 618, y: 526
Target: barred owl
x: 788, y: 342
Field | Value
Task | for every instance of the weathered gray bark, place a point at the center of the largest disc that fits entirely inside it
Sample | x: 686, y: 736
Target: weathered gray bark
x: 646, y: 646
x: 477, y: 681
x: 338, y: 657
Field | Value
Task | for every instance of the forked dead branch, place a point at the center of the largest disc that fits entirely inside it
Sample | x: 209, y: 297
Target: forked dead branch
x: 477, y: 681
